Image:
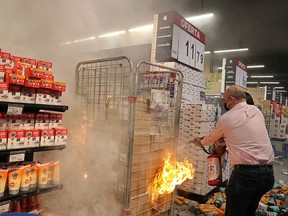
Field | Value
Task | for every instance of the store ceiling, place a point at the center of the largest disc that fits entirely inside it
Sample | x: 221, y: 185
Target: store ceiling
x: 260, y: 25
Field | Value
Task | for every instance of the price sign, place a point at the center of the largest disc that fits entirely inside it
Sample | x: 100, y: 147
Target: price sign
x: 186, y: 44
x: 15, y: 109
x: 17, y: 156
x: 4, y: 208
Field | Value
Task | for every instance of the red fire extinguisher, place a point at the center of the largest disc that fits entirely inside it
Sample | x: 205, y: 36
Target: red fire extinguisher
x: 214, y: 165
x: 214, y: 169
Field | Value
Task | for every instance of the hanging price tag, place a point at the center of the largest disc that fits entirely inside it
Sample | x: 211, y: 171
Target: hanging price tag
x: 15, y: 109
x: 17, y: 156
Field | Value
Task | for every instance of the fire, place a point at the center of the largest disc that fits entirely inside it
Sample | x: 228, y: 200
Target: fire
x: 172, y: 175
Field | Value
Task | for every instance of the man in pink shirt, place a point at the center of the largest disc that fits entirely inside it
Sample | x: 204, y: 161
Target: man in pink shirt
x: 251, y: 154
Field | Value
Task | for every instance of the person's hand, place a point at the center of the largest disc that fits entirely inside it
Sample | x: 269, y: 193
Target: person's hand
x: 197, y: 141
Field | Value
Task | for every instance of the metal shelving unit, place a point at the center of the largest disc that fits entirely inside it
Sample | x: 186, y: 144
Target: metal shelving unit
x: 28, y: 107
x: 30, y: 192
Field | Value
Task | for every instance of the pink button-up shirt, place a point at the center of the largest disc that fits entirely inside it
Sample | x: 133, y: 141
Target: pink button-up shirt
x: 243, y: 129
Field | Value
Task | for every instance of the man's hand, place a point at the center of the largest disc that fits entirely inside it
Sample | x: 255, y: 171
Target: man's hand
x: 197, y: 141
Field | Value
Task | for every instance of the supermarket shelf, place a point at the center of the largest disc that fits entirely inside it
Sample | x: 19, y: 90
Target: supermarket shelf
x: 31, y: 192
x: 35, y: 149
x: 28, y: 107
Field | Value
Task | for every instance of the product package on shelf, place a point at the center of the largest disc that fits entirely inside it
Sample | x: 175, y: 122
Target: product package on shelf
x: 4, y: 92
x: 2, y: 73
x: 3, y: 139
x: 42, y: 121
x: 15, y: 139
x: 55, y: 120
x: 32, y: 138
x: 61, y: 136
x: 196, y: 120
x: 47, y: 66
x: 5, y: 59
x: 47, y: 137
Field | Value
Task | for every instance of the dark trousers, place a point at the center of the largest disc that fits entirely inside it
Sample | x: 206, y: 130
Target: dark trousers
x: 246, y: 186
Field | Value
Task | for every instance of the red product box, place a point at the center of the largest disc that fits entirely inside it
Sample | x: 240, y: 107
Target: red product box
x: 14, y: 93
x: 55, y: 120
x: 15, y: 139
x: 16, y: 79
x: 59, y: 86
x: 32, y: 138
x: 48, y: 75
x: 42, y: 121
x: 16, y: 123
x: 4, y: 93
x: 15, y: 59
x: 32, y: 83
x: 28, y: 121
x: 47, y: 137
x: 28, y: 95
x: 5, y: 59
x: 33, y: 62
x: 3, y: 139
x: 43, y: 96
x: 2, y: 73
x: 44, y: 65
x: 61, y: 136
x: 21, y: 68
x: 5, y: 120
x: 46, y: 84
x: 34, y: 73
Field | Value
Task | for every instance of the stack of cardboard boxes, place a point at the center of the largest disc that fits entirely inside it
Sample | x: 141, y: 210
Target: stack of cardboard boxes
x: 197, y: 120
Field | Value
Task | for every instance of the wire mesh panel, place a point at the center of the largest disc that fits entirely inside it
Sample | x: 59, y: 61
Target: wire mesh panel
x: 140, y: 113
x: 155, y: 136
x: 107, y: 87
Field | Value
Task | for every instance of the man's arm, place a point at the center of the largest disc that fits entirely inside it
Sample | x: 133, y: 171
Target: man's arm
x: 215, y: 135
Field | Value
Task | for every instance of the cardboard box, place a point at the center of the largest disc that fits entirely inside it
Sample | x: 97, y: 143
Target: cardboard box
x: 14, y: 93
x: 59, y: 86
x: 43, y: 96
x: 44, y: 65
x: 32, y: 138
x: 16, y: 123
x: 42, y: 121
x: 34, y: 73
x: 33, y: 62
x: 28, y: 95
x: 55, y: 120
x: 48, y: 75
x: 5, y: 121
x: 3, y: 139
x: 4, y: 91
x: 46, y: 84
x: 16, y: 79
x: 28, y: 121
x: 32, y: 83
x: 61, y: 136
x: 15, y: 139
x: 47, y: 137
x: 5, y: 59
x: 21, y: 68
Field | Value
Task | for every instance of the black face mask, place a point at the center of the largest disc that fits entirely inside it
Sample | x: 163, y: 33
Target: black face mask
x: 225, y: 106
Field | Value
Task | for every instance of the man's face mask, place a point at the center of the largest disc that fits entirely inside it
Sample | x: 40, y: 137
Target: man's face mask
x: 225, y: 105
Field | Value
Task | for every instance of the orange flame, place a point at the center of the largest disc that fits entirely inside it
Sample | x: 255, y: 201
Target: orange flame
x: 171, y: 175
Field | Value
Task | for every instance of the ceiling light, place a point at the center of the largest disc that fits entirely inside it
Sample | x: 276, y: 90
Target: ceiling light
x: 204, y: 16
x: 280, y: 87
x: 207, y: 52
x: 220, y: 68
x: 251, y: 82
x: 255, y: 66
x: 84, y: 39
x: 142, y: 28
x: 112, y: 34
x: 269, y: 82
x: 67, y: 43
x: 269, y: 76
x: 231, y: 50
x: 281, y: 90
